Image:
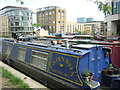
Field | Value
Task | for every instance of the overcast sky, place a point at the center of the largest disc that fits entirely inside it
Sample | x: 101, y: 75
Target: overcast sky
x: 74, y: 8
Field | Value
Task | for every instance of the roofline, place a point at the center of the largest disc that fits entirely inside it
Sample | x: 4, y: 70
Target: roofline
x: 11, y: 7
x: 48, y: 8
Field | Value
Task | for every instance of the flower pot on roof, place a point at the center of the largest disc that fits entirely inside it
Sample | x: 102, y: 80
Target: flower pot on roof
x: 109, y: 71
x: 115, y: 71
x: 104, y: 71
x: 90, y: 76
x: 86, y: 76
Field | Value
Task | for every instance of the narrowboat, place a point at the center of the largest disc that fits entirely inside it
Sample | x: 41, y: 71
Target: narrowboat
x: 115, y: 50
x: 58, y: 66
x: 113, y: 45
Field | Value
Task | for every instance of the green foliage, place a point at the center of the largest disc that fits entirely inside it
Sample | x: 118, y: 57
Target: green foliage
x: 8, y: 83
x: 104, y: 7
x: 36, y: 25
x: 86, y: 72
x: 13, y: 80
x: 1, y: 71
x: 115, y: 34
x: 6, y: 74
x: 77, y: 31
x: 21, y: 1
x: 5, y: 36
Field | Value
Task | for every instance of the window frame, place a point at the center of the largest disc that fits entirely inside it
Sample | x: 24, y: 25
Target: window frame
x: 7, y: 52
x: 40, y: 57
x: 24, y: 53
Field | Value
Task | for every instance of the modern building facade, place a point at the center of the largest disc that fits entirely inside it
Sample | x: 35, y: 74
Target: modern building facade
x: 81, y: 20
x: 88, y: 30
x: 113, y: 20
x: 90, y: 19
x: 18, y: 19
x: 52, y: 19
x: 85, y: 20
x: 95, y: 27
x: 73, y: 27
x: 4, y: 26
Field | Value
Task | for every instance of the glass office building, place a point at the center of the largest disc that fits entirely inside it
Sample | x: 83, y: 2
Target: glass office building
x: 85, y: 20
x: 116, y: 7
x: 113, y: 20
x: 19, y: 20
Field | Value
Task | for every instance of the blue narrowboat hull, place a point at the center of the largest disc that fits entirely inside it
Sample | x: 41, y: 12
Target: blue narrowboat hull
x: 57, y: 66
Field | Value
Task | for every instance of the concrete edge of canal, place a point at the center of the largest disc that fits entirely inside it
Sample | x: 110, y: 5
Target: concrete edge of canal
x: 32, y: 83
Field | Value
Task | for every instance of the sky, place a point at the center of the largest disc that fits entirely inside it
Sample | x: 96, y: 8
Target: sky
x: 74, y: 8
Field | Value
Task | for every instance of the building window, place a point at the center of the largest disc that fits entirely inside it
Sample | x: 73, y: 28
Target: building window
x: 39, y: 59
x: 58, y: 17
x: 39, y: 15
x: 12, y: 24
x: 59, y: 12
x: 8, y: 49
x: 27, y: 13
x: 114, y: 7
x: 30, y: 18
x: 50, y: 27
x: 78, y: 27
x: 27, y: 18
x: 53, y: 22
x: 46, y: 13
x: 21, y: 53
x: 62, y: 13
x: 43, y: 14
x: 22, y: 18
x: 62, y: 22
x: 17, y: 17
x: 50, y: 13
x: 53, y: 12
x: 59, y: 27
x: 53, y: 27
x: 16, y: 23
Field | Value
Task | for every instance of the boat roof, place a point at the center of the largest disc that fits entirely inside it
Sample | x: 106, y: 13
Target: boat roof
x: 54, y: 48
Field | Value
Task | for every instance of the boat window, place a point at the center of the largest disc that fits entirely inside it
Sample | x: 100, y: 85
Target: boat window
x: 8, y: 49
x: 39, y: 59
x: 21, y: 53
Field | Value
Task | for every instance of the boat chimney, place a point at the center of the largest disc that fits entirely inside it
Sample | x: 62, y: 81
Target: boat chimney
x: 66, y: 43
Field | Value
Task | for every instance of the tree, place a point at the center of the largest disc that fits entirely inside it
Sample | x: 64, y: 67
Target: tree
x: 36, y: 25
x: 103, y: 7
x: 77, y: 31
x: 20, y: 1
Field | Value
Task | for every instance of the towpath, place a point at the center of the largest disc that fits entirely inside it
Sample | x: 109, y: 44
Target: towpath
x: 32, y: 83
